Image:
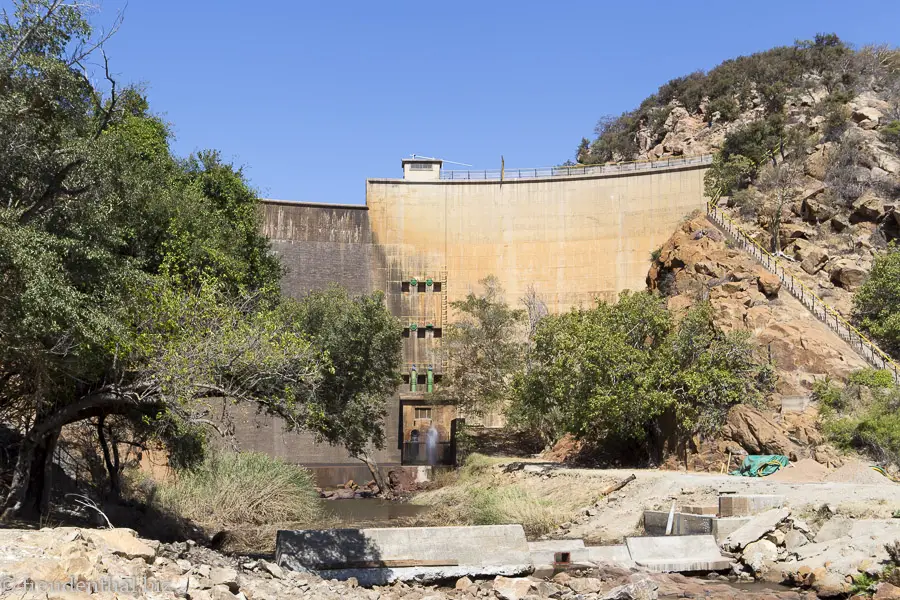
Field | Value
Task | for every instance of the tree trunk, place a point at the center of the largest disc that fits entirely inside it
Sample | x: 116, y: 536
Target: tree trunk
x: 31, y: 463
x: 383, y: 487
x: 18, y: 488
x: 776, y: 232
x: 111, y: 469
x: 29, y: 491
x: 45, y: 468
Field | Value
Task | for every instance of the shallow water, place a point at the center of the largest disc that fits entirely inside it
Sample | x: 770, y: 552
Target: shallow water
x: 370, y: 512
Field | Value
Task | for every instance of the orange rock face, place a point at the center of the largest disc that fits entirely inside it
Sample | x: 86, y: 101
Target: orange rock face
x: 696, y: 264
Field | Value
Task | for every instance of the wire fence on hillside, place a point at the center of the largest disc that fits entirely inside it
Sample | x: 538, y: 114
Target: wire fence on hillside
x: 825, y: 313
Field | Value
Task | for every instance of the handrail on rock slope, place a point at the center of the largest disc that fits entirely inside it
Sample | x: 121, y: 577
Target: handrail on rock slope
x: 866, y: 348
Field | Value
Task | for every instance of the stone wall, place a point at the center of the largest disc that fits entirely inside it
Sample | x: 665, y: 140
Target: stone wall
x: 320, y: 244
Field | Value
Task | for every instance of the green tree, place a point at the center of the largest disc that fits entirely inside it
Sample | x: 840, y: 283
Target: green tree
x: 362, y: 340
x: 783, y: 181
x: 625, y: 377
x: 135, y: 285
x: 727, y: 176
x: 876, y: 305
x: 485, y: 348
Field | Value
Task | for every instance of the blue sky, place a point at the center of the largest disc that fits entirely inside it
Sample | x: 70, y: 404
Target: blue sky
x: 314, y: 97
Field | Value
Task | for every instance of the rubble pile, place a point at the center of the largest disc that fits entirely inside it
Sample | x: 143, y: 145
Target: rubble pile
x: 115, y: 563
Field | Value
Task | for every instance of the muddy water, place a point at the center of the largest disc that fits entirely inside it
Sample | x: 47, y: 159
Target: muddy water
x: 370, y: 512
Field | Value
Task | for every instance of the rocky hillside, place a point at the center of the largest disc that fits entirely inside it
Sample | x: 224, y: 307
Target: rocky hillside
x: 828, y: 200
x: 695, y: 265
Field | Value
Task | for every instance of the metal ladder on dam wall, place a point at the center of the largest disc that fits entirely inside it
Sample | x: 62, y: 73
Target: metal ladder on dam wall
x: 866, y: 348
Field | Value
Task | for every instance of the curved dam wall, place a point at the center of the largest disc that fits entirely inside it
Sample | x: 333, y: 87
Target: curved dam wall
x: 574, y: 239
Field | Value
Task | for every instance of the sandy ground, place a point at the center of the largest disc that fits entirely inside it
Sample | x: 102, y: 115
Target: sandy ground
x: 619, y: 514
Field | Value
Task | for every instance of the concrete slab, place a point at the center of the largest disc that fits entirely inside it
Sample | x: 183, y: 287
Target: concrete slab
x: 617, y: 555
x: 656, y: 521
x: 546, y: 553
x: 745, y: 505
x: 757, y: 527
x: 689, y: 524
x: 683, y: 553
x: 424, y: 554
x: 838, y: 527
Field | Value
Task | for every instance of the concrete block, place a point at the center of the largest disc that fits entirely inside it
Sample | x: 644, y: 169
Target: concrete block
x: 547, y: 552
x: 683, y: 553
x: 723, y: 527
x: 745, y: 505
x: 423, y: 554
x: 701, y: 509
x: 655, y: 522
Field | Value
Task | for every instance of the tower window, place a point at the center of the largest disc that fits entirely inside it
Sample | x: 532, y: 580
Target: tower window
x: 422, y: 413
x: 415, y: 166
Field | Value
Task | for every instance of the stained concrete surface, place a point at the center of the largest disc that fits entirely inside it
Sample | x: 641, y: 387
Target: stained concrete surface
x: 681, y: 553
x: 378, y: 556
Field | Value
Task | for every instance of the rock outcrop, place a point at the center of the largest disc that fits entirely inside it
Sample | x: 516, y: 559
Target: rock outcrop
x: 696, y: 264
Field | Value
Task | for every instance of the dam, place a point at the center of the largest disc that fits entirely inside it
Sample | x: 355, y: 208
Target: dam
x: 572, y: 235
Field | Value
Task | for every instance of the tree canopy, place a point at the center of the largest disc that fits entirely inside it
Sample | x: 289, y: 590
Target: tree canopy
x: 485, y: 348
x: 628, y: 375
x: 136, y: 283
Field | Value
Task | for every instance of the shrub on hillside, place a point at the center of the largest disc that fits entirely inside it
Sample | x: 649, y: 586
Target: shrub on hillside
x: 843, y: 175
x: 891, y: 134
x: 232, y: 489
x: 756, y: 140
x: 864, y: 415
x: 766, y: 78
x: 876, y: 305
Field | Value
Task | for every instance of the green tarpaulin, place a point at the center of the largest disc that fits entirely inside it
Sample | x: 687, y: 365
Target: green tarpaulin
x: 761, y: 465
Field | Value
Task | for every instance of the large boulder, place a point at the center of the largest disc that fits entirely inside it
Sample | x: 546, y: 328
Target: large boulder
x: 867, y: 207
x: 847, y: 274
x: 866, y: 113
x: 816, y: 164
x: 511, y: 588
x: 759, y: 555
x: 121, y: 542
x: 758, y: 433
x: 814, y: 259
x: 769, y: 284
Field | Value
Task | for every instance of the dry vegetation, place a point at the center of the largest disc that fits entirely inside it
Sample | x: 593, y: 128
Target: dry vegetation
x: 483, y: 494
x: 249, y: 495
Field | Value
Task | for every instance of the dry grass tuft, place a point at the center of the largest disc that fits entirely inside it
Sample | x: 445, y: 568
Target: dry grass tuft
x: 241, y: 489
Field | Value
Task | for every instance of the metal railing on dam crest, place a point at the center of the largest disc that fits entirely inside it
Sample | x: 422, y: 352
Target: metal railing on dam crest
x: 575, y: 170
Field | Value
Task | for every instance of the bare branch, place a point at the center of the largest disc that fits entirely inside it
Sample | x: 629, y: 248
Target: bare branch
x: 82, y: 53
x: 86, y: 502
